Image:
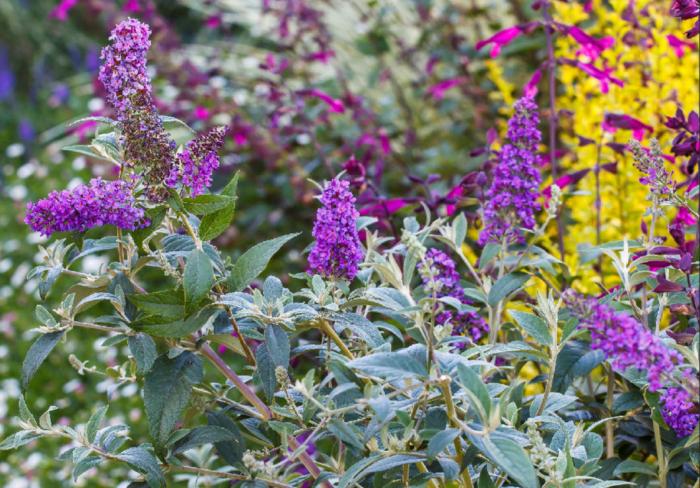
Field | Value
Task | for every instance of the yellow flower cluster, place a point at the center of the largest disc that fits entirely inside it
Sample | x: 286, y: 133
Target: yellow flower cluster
x: 655, y: 81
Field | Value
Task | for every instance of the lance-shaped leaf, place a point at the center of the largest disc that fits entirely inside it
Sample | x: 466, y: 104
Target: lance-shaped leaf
x: 254, y: 261
x: 198, y: 278
x: 167, y: 389
x: 37, y: 353
x: 213, y: 224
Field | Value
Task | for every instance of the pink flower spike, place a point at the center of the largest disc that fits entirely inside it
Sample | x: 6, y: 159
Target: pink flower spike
x: 334, y: 104
x: 437, y: 91
x: 500, y: 39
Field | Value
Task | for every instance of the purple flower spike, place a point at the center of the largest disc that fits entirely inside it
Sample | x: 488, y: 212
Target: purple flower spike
x: 337, y: 252
x: 441, y: 279
x: 679, y: 411
x: 197, y: 162
x: 511, y: 201
x: 99, y: 203
x: 623, y: 340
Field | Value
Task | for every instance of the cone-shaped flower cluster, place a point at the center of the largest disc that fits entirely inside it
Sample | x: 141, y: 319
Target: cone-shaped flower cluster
x: 337, y: 251
x: 195, y: 165
x: 123, y: 73
x: 440, y: 279
x: 511, y: 201
x: 86, y: 206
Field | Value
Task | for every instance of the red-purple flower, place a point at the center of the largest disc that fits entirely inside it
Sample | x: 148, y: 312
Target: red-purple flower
x: 687, y: 9
x: 60, y: 11
x: 501, y: 39
x: 604, y: 76
x: 437, y: 91
x: 334, y: 104
x: 591, y: 47
x: 613, y: 122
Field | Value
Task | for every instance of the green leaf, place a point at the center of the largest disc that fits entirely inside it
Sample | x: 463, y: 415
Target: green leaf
x: 254, y: 261
x: 392, y: 365
x: 346, y: 433
x: 489, y: 252
x: 18, y: 439
x: 139, y: 459
x: 86, y: 151
x: 575, y: 359
x: 179, y: 328
x: 476, y: 391
x: 37, y: 353
x: 213, y: 224
x: 277, y: 344
x: 206, y: 434
x: 632, y: 466
x: 84, y: 465
x: 207, y: 204
x: 198, y: 278
x: 440, y: 441
x: 167, y: 389
x: 44, y: 316
x: 231, y: 450
x: 460, y: 228
x: 534, y: 326
x: 265, y: 371
x: 505, y: 286
x: 144, y: 351
x: 94, y: 423
x: 510, y: 457
x: 173, y: 122
x: 24, y: 413
x: 166, y: 304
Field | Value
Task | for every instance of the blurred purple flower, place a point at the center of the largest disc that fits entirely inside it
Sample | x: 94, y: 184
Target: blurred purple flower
x: 679, y: 45
x: 60, y: 11
x: 613, y: 122
x: 687, y: 9
x: 591, y: 47
x: 7, y: 77
x: 500, y: 39
x: 604, y: 76
x: 438, y: 90
x: 334, y: 104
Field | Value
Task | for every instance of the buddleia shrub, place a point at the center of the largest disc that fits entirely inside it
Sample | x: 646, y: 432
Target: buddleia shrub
x: 386, y: 361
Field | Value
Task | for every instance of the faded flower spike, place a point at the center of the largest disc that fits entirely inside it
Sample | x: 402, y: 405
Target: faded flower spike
x: 123, y: 74
x: 86, y: 206
x: 337, y: 251
x: 196, y: 164
x: 511, y: 201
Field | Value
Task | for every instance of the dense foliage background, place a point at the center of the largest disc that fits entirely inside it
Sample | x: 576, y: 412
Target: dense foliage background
x: 394, y: 93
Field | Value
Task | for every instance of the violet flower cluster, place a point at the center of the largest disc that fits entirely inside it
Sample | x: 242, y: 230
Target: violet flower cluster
x: 98, y: 203
x: 679, y: 411
x: 124, y: 75
x: 337, y: 251
x: 196, y: 164
x: 511, y: 201
x: 440, y: 279
x: 628, y: 344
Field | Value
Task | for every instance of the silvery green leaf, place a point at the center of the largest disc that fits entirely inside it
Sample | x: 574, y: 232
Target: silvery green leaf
x: 37, y: 353
x: 255, y: 260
